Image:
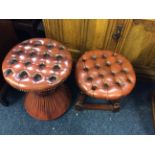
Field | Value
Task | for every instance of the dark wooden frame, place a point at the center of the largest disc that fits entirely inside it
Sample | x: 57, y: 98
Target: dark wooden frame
x: 110, y: 106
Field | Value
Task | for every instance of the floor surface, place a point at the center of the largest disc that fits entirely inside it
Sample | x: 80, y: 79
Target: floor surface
x: 135, y: 117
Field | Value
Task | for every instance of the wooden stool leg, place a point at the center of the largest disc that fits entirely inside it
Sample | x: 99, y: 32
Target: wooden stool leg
x: 80, y: 101
x: 49, y: 105
x: 81, y: 105
x: 116, y: 105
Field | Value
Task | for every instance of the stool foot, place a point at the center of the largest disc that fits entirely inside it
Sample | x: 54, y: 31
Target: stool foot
x: 116, y: 107
x: 48, y: 106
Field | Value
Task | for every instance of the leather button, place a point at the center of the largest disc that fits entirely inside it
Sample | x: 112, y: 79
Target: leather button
x: 97, y: 66
x: 19, y: 52
x: 46, y: 55
x: 37, y: 77
x: 8, y: 72
x: 119, y: 61
x: 83, y: 60
x: 52, y: 79
x: 93, y: 87
x: 104, y: 56
x: 89, y: 79
x: 93, y: 57
x: 105, y: 85
x: 28, y: 63
x: 50, y: 46
x: 32, y: 55
x: 61, y: 48
x: 120, y: 83
x: 13, y: 62
x: 42, y: 66
x: 22, y: 75
x: 124, y: 70
x: 108, y: 63
x: 101, y: 75
x: 56, y: 67
x: 59, y: 57
x: 86, y: 69
x: 113, y: 72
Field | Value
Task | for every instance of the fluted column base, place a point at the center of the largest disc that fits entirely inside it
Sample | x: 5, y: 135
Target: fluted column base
x: 48, y: 105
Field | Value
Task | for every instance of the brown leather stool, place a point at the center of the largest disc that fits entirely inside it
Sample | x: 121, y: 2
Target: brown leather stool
x: 39, y: 66
x: 102, y: 74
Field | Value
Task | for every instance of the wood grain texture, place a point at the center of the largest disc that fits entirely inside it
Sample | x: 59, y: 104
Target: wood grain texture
x: 83, y: 34
x: 86, y: 34
x: 139, y: 47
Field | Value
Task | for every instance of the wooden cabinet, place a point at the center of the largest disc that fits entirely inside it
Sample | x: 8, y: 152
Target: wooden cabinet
x: 133, y: 38
x: 139, y: 47
x: 84, y: 34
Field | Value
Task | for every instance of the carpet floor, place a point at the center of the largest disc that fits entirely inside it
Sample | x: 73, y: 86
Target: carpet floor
x: 134, y: 118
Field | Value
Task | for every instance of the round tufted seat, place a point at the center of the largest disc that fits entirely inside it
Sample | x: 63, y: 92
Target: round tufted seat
x: 38, y: 66
x: 103, y: 74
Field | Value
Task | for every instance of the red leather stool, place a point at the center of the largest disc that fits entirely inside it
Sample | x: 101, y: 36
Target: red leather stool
x: 39, y: 66
x: 102, y: 74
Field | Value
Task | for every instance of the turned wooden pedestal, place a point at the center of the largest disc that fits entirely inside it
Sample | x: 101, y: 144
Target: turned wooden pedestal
x: 39, y: 66
x: 48, y: 105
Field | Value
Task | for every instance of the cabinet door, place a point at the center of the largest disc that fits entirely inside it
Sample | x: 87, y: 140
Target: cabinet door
x: 139, y: 47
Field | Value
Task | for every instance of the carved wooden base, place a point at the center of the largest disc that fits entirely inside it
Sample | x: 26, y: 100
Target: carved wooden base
x: 81, y: 105
x: 48, y: 105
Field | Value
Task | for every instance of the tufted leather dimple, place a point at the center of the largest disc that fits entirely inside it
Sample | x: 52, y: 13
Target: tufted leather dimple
x: 42, y: 66
x: 105, y: 75
x: 50, y: 46
x: 13, y: 61
x: 52, y: 78
x: 27, y: 63
x: 37, y: 77
x: 37, y: 64
x: 22, y: 75
x: 59, y: 57
x: 8, y: 72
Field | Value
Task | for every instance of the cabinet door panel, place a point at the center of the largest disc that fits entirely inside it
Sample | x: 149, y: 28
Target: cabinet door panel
x: 79, y: 34
x: 139, y: 47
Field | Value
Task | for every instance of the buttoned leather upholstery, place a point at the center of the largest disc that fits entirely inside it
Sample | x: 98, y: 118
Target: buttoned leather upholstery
x: 37, y: 64
x: 103, y: 74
